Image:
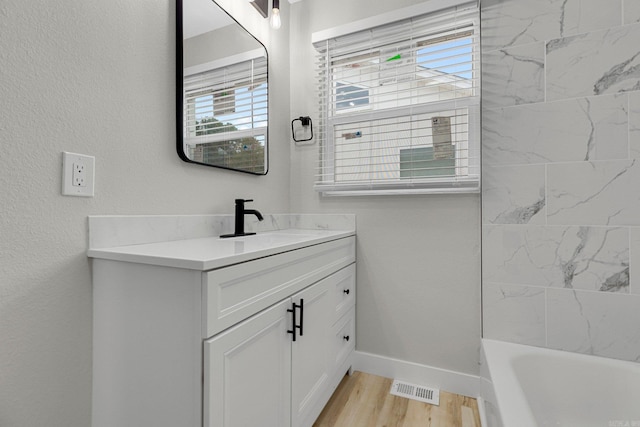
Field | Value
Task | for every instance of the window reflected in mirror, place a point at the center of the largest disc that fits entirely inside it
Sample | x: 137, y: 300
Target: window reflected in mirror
x: 224, y: 91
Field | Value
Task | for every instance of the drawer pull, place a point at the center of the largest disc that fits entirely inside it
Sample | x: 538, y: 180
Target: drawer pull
x: 292, y: 310
x: 301, y: 306
x: 346, y: 338
x: 346, y: 291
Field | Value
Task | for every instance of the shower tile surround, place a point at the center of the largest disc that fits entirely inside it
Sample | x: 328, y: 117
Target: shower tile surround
x: 561, y: 174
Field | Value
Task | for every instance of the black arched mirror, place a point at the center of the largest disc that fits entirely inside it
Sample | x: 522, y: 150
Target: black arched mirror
x: 222, y: 90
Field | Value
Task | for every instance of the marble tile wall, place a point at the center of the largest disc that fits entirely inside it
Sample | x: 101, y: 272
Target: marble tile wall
x: 631, y: 11
x: 561, y: 174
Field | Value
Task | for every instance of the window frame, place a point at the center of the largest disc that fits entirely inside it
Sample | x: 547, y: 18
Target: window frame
x: 331, y: 116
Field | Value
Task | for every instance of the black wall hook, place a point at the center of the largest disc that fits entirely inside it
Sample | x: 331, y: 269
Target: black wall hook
x: 305, y: 121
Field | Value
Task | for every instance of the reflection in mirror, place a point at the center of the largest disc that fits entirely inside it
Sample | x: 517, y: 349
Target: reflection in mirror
x: 222, y: 90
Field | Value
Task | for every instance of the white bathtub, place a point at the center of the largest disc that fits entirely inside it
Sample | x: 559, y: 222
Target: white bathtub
x: 535, y: 387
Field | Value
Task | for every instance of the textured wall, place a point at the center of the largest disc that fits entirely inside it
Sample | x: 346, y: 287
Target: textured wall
x: 97, y: 78
x: 418, y: 256
x: 561, y: 201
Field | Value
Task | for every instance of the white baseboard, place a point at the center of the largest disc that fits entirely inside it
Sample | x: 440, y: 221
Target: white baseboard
x: 482, y: 412
x: 450, y: 381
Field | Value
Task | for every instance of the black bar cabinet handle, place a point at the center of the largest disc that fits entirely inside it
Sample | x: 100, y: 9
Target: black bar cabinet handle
x: 301, y: 316
x: 346, y: 291
x: 293, y: 329
x: 346, y: 338
x: 293, y: 311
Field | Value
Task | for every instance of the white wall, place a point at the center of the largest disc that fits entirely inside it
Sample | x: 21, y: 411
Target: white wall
x: 232, y: 40
x: 418, y: 256
x: 97, y: 78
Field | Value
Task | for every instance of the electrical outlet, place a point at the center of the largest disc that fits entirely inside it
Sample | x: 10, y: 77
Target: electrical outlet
x: 78, y: 174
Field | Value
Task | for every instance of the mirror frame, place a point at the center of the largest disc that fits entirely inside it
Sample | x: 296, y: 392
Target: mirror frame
x: 180, y: 94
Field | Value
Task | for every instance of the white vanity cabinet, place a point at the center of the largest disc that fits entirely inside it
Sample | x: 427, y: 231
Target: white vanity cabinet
x: 257, y: 375
x: 311, y: 353
x: 214, y: 348
x: 247, y: 372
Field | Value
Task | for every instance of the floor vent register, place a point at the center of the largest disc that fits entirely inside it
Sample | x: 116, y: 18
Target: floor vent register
x: 415, y: 392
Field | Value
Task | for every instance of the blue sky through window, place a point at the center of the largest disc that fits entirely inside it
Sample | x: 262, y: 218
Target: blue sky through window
x: 450, y: 57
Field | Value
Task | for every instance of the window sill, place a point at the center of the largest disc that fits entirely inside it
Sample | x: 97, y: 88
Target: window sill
x: 454, y: 187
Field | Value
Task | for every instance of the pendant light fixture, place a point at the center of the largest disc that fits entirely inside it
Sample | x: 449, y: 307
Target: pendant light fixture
x: 262, y: 6
x: 275, y: 15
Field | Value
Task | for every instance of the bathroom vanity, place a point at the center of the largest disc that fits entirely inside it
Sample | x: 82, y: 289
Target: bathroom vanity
x: 248, y: 331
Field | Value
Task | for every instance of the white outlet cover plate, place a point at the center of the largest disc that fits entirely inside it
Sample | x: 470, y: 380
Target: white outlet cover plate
x: 68, y: 162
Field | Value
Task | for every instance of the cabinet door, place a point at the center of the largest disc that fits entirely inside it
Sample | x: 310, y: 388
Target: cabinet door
x: 248, y: 372
x: 311, y: 352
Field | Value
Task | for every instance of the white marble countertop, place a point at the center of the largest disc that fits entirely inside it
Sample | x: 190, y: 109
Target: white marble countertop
x: 208, y: 253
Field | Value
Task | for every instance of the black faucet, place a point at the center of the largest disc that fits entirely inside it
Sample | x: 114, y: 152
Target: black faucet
x: 240, y: 213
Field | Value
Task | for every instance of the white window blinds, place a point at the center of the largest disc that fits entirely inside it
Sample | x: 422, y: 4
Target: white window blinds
x: 399, y: 106
x: 226, y: 115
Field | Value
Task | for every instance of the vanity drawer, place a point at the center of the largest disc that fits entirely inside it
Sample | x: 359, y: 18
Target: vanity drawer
x: 344, y: 337
x: 344, y: 291
x: 234, y: 293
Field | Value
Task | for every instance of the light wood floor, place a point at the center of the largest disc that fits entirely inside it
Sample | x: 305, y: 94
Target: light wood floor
x: 363, y: 400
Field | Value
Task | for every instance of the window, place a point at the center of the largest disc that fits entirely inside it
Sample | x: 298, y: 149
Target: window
x: 349, y: 97
x: 399, y: 106
x: 226, y: 115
